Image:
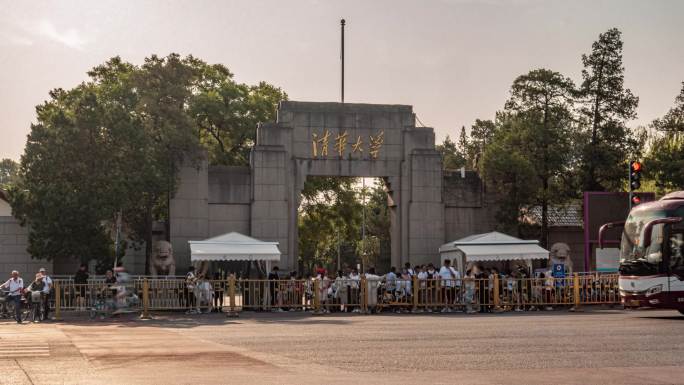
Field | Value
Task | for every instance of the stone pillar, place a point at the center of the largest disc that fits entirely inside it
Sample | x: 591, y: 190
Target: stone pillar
x: 270, y: 208
x: 189, y: 212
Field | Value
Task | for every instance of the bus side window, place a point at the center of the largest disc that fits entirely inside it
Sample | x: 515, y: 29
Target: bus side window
x: 677, y: 253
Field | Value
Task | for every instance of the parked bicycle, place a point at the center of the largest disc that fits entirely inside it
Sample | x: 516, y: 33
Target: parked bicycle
x: 6, y: 306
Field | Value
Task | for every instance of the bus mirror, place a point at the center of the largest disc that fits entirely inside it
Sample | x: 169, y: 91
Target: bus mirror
x: 648, y: 229
x: 602, y: 230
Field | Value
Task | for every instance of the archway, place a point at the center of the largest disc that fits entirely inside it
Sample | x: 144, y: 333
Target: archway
x: 348, y: 140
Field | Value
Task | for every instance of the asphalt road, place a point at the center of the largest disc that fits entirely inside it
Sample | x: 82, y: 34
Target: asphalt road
x: 593, y: 347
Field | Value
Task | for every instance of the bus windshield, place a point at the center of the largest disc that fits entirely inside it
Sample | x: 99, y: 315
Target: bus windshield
x: 631, y: 253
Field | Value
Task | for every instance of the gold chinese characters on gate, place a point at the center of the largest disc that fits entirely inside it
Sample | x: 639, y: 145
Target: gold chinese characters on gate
x: 321, y: 142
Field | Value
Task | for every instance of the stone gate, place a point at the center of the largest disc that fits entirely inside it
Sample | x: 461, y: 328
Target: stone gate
x: 331, y: 139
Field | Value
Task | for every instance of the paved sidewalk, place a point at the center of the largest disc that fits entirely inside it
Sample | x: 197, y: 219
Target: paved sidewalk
x: 607, y: 347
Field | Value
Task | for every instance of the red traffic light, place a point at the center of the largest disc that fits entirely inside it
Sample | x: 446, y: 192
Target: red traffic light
x: 636, y: 200
x: 636, y: 166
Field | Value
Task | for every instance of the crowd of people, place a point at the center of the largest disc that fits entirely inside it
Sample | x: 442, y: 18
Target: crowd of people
x: 423, y: 288
x: 413, y: 288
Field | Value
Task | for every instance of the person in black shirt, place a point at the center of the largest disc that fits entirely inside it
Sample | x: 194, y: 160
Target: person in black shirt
x: 81, y: 280
x: 273, y: 286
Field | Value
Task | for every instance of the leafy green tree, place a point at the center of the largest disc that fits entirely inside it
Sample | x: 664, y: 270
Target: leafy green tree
x: 674, y: 118
x: 509, y: 172
x: 452, y: 158
x: 605, y: 108
x: 227, y: 112
x: 543, y: 99
x: 481, y: 133
x: 330, y: 222
x: 60, y: 194
x: 113, y: 144
x: 533, y: 145
x: 665, y: 159
x: 8, y: 172
x: 329, y: 217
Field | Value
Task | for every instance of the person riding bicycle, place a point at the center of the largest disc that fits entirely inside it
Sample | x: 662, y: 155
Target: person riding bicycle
x: 15, y: 285
x: 35, y: 294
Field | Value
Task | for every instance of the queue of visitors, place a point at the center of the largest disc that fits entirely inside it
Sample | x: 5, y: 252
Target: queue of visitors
x: 441, y: 289
x: 413, y: 288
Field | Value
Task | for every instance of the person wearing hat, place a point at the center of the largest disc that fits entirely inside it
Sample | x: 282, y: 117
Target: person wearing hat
x: 15, y: 286
x: 37, y: 286
x: 47, y: 290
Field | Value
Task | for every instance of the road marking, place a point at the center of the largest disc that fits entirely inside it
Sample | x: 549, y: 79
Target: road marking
x: 13, y: 349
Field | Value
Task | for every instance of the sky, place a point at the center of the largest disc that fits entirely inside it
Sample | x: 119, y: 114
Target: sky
x: 452, y: 60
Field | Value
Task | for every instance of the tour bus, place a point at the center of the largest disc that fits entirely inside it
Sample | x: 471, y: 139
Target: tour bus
x: 652, y: 254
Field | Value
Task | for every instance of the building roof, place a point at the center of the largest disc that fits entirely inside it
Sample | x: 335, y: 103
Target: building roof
x: 495, y: 246
x: 233, y: 247
x: 565, y: 215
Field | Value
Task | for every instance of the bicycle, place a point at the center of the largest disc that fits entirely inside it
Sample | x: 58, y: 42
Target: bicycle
x: 34, y: 309
x: 6, y: 306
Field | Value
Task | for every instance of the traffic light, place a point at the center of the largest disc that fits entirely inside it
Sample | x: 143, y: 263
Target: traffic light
x: 635, y: 169
x: 636, y: 200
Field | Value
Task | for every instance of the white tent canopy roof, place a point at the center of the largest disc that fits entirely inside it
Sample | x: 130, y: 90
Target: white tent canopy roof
x: 495, y: 246
x: 233, y: 247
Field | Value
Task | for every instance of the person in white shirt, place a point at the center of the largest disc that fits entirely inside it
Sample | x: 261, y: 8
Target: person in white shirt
x: 354, y: 280
x: 372, y: 283
x: 15, y: 286
x: 408, y: 268
x: 450, y: 277
x: 47, y: 290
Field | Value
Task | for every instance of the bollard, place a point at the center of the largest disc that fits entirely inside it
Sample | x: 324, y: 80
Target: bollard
x: 58, y: 302
x: 496, y: 292
x: 414, y: 287
x: 576, y: 292
x: 231, y: 297
x: 146, y: 299
x: 316, y: 296
x: 364, y: 295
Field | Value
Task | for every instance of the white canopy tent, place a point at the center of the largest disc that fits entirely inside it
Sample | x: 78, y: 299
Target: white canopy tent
x: 492, y: 246
x: 234, y: 247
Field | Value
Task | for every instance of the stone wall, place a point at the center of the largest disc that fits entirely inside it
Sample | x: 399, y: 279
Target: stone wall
x: 13, y: 254
x: 210, y: 201
x: 469, y: 208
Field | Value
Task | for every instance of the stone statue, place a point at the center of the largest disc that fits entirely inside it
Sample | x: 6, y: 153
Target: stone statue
x: 163, y: 262
x: 560, y: 255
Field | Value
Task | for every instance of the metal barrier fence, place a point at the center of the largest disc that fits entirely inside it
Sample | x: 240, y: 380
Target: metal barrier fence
x: 364, y: 295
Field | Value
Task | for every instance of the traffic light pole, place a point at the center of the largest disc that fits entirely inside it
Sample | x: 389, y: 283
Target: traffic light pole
x: 630, y: 187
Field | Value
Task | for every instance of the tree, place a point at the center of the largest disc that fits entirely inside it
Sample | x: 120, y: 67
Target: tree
x: 60, y: 194
x: 531, y: 149
x: 481, y: 133
x: 452, y: 158
x: 227, y: 112
x: 508, y: 172
x: 673, y: 120
x: 605, y: 107
x: 329, y: 217
x: 114, y: 143
x: 665, y: 159
x: 542, y: 100
x: 8, y: 172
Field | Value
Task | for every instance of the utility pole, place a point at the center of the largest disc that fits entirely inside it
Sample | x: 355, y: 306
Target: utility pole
x: 117, y: 239
x: 342, y: 57
x: 363, y: 223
